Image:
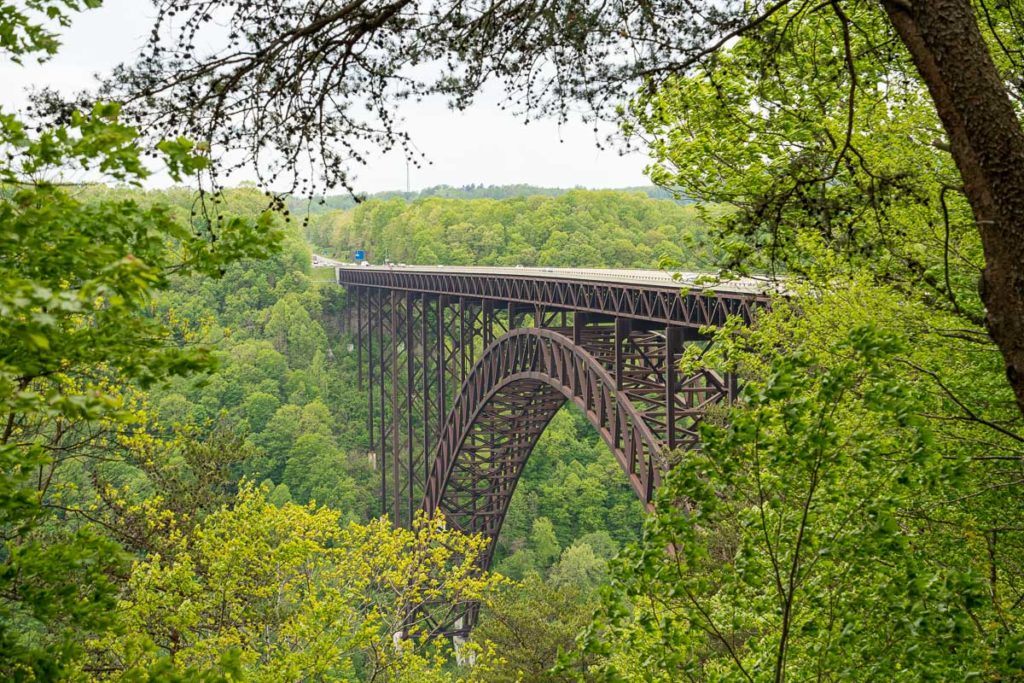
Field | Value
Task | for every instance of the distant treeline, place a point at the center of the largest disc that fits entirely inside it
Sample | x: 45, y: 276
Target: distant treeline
x: 472, y: 191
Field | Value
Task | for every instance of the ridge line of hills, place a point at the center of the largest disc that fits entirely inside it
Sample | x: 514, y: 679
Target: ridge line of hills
x: 471, y: 191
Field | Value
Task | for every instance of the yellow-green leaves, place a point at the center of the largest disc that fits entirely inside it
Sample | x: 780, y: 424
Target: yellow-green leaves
x: 805, y: 536
x: 299, y: 596
x: 77, y: 280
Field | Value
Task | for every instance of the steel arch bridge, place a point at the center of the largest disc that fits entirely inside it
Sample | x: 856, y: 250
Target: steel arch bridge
x: 465, y: 367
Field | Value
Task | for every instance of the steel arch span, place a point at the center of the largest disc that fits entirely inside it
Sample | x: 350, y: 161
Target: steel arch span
x: 506, y: 402
x: 610, y: 341
x: 465, y: 367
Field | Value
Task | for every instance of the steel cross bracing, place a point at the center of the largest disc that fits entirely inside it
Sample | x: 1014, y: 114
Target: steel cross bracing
x: 463, y: 373
x: 658, y: 300
x: 418, y: 353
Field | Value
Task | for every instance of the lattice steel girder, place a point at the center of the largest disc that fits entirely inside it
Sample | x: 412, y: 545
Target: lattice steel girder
x: 644, y: 361
x: 397, y: 393
x: 421, y: 351
x: 368, y: 304
x: 529, y: 372
x: 390, y: 390
x: 663, y: 306
x: 459, y: 391
x: 430, y: 350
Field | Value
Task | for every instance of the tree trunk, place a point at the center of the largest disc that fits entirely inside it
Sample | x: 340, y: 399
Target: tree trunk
x: 987, y: 143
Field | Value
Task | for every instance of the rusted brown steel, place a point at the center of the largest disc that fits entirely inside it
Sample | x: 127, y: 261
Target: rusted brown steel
x: 421, y: 351
x: 384, y: 386
x: 464, y: 373
x: 521, y: 380
x: 640, y: 302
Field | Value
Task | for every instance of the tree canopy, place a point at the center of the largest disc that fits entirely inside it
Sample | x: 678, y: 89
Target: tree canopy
x: 617, y: 229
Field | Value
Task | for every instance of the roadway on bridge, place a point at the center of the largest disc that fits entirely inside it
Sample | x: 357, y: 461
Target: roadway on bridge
x: 647, y: 278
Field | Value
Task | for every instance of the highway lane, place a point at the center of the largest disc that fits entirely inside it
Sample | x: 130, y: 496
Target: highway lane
x: 648, y: 278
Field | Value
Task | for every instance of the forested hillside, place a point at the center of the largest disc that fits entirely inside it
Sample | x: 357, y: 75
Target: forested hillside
x: 287, y: 382
x: 277, y: 419
x: 185, y: 489
x: 347, y: 201
x: 579, y: 228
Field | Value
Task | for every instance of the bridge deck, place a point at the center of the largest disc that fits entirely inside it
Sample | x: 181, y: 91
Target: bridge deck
x: 644, y: 278
x: 648, y: 295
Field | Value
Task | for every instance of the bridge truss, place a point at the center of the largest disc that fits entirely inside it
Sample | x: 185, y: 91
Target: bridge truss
x: 464, y: 370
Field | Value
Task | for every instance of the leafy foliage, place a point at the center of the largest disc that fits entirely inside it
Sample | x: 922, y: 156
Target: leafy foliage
x: 831, y: 156
x: 529, y: 625
x: 27, y: 28
x: 294, y: 594
x: 842, y: 524
x: 77, y: 280
x: 856, y: 516
x: 618, y: 229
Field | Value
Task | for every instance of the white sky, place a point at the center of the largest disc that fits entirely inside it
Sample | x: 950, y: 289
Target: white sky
x: 480, y: 145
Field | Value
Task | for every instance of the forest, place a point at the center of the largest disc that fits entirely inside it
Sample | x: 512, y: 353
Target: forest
x: 187, y: 491
x: 318, y: 204
x: 597, y: 228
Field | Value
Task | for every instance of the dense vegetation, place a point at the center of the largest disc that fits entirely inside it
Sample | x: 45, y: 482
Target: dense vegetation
x: 860, y: 517
x: 286, y: 379
x: 271, y: 401
x: 184, y: 489
x: 347, y: 201
x: 591, y: 228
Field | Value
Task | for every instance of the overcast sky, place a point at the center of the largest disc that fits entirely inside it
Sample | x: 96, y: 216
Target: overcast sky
x: 481, y: 145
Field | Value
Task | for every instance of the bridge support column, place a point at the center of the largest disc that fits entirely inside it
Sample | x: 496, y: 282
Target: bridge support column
x: 395, y: 431
x: 673, y: 347
x: 445, y: 359
x: 357, y: 295
x: 623, y: 326
x: 382, y: 394
x: 579, y: 324
x: 429, y: 351
x: 413, y: 367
